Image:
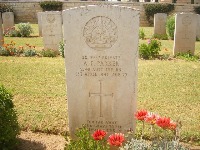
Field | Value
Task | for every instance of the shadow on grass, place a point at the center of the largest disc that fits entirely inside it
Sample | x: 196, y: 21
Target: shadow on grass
x: 30, y: 145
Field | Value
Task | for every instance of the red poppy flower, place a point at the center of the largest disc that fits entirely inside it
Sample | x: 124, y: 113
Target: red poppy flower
x: 163, y: 122
x: 99, y: 134
x: 151, y: 118
x: 172, y: 125
x: 141, y: 115
x: 116, y: 139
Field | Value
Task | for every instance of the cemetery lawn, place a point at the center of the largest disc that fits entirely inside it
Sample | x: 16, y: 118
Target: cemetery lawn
x: 169, y: 88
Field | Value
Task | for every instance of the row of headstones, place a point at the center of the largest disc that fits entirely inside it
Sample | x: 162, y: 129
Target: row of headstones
x: 187, y: 29
x: 7, y: 20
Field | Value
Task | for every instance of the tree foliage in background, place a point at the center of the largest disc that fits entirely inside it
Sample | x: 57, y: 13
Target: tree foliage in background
x: 9, y: 128
x: 51, y: 5
x: 5, y: 8
x: 197, y: 9
x: 151, y: 9
x: 170, y: 25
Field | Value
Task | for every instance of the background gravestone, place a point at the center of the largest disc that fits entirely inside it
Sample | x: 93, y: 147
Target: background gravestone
x: 185, y: 33
x: 39, y: 17
x: 198, y: 27
x: 52, y: 29
x: 160, y: 23
x: 101, y: 47
x: 1, y: 32
x: 8, y: 20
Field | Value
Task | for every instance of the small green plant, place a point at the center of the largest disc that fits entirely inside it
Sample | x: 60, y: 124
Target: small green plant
x: 9, y: 128
x: 150, y: 50
x: 197, y: 9
x: 8, y: 49
x: 29, y: 53
x: 11, y: 32
x: 86, y: 142
x: 5, y: 8
x: 168, y: 145
x: 160, y: 36
x: 25, y: 29
x: 151, y: 9
x: 187, y: 56
x: 61, y: 49
x: 135, y: 144
x: 170, y: 24
x: 142, y: 34
x: 51, y: 5
x: 48, y: 53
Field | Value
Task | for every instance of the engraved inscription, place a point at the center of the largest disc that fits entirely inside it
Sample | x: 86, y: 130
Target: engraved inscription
x: 186, y: 20
x: 108, y: 126
x: 101, y: 66
x: 100, y: 33
x: 7, y: 16
x: 101, y: 95
x: 51, y: 18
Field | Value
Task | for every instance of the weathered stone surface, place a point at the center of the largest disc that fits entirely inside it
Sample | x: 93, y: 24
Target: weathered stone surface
x: 101, y: 54
x: 198, y: 27
x: 1, y: 32
x: 39, y: 17
x: 185, y: 33
x: 160, y: 23
x: 8, y: 20
x: 52, y: 29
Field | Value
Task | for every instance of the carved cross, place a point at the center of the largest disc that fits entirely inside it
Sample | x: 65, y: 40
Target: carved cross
x: 101, y: 95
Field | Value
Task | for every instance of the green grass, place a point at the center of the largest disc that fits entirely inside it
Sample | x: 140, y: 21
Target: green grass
x: 169, y: 88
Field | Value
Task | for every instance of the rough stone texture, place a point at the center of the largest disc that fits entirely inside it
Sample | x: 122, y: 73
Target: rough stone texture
x: 1, y: 32
x: 8, y: 20
x: 198, y: 26
x: 185, y: 33
x: 160, y: 23
x: 101, y: 47
x: 39, y: 17
x: 52, y: 29
x: 27, y: 11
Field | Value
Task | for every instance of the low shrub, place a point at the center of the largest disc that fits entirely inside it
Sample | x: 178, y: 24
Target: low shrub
x: 187, y: 56
x: 170, y: 25
x: 8, y: 49
x: 29, y: 53
x: 48, y: 53
x: 25, y: 29
x: 151, y: 9
x: 9, y: 128
x: 51, y: 5
x: 61, y: 49
x: 142, y: 34
x: 150, y: 50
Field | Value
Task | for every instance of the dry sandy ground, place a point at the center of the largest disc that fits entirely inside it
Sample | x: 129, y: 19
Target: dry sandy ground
x: 40, y: 141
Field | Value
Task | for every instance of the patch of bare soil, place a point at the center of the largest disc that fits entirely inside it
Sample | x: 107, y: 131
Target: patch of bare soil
x: 40, y: 141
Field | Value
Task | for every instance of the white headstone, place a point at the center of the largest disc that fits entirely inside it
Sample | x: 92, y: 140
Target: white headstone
x: 39, y: 17
x: 52, y: 29
x: 1, y: 32
x: 8, y: 20
x: 160, y: 23
x: 101, y: 47
x: 185, y: 33
x: 198, y: 27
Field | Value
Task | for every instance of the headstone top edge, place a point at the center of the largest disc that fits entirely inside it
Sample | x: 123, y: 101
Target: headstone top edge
x: 102, y: 5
